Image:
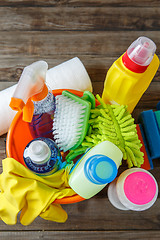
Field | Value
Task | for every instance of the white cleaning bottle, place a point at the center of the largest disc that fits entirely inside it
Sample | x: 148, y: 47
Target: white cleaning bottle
x: 95, y: 169
x: 135, y: 189
x: 42, y: 156
x: 33, y: 97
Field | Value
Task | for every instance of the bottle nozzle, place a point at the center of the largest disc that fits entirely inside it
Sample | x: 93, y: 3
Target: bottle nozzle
x: 38, y: 151
x: 31, y: 82
x: 142, y: 51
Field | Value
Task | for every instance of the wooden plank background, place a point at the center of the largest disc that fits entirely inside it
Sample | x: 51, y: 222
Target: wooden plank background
x: 98, y: 32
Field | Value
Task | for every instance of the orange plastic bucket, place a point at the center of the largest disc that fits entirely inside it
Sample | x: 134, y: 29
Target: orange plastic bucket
x: 19, y: 136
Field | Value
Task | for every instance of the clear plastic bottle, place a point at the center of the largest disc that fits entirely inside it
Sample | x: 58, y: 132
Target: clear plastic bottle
x: 32, y: 96
x: 42, y: 121
x: 130, y: 75
x: 42, y: 156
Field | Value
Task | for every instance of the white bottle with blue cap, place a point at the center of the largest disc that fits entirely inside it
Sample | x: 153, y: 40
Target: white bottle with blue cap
x: 42, y: 156
x: 95, y: 169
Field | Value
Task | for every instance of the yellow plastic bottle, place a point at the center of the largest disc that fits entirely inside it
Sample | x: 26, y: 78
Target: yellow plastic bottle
x: 130, y: 75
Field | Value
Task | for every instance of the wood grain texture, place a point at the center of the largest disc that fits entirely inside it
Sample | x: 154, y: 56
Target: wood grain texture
x: 98, y: 32
x: 94, y: 235
x: 2, y: 150
x: 46, y: 19
x: 78, y: 3
x: 57, y: 43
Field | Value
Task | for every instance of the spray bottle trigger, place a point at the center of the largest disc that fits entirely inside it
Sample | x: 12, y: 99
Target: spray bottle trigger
x: 17, y: 104
x: 28, y: 111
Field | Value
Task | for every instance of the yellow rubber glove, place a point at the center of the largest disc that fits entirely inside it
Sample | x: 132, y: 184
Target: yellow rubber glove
x: 22, y: 190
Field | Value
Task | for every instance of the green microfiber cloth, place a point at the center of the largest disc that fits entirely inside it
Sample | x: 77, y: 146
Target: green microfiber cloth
x: 113, y: 123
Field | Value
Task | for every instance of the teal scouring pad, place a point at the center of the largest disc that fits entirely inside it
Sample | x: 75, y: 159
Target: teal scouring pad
x: 113, y: 123
x: 157, y: 115
x: 151, y: 131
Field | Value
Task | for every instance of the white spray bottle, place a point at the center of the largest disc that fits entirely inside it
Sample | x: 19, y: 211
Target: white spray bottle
x: 33, y: 98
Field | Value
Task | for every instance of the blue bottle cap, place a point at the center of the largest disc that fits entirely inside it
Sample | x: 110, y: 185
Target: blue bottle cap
x: 100, y: 169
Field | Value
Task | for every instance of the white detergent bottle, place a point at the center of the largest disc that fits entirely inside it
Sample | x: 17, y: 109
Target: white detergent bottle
x: 42, y: 156
x: 95, y: 169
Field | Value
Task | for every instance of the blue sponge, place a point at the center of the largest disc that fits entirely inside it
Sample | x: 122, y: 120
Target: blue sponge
x: 151, y: 131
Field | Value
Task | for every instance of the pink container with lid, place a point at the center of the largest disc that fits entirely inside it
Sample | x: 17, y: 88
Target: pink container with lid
x: 135, y: 189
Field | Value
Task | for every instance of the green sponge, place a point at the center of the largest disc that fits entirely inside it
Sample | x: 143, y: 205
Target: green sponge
x: 113, y: 123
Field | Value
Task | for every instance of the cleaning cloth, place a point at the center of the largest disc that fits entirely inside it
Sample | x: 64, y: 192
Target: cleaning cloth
x: 22, y: 190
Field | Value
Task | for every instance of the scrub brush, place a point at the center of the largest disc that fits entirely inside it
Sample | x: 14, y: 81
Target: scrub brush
x: 113, y: 123
x: 70, y: 123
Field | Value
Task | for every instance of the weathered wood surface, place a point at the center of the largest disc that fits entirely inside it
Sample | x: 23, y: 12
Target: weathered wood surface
x: 24, y: 44
x: 100, y: 235
x: 95, y: 235
x: 124, y: 18
x: 98, y: 32
x: 78, y: 3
